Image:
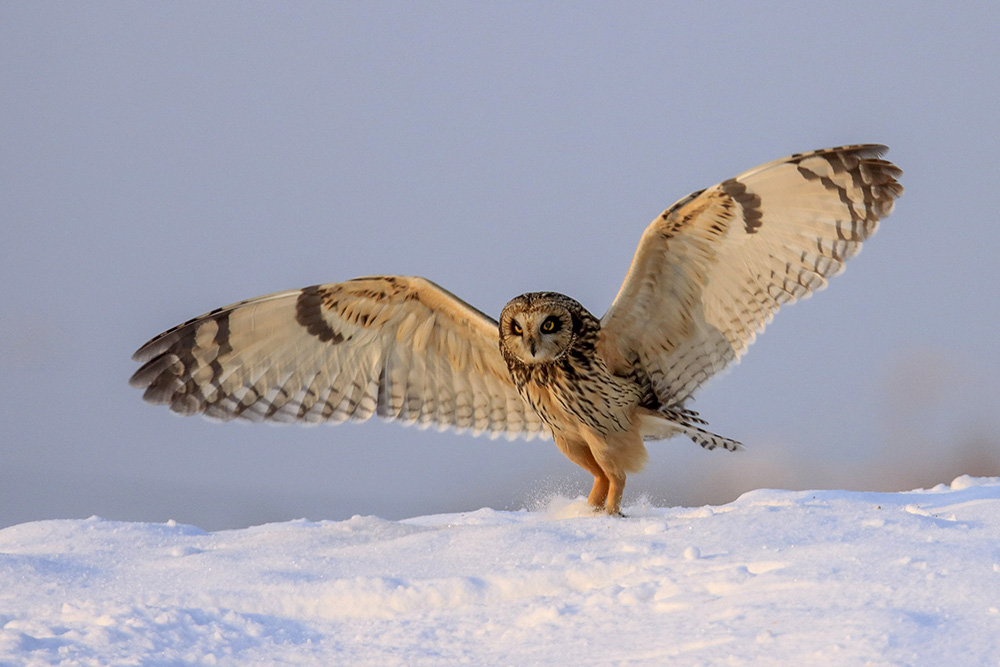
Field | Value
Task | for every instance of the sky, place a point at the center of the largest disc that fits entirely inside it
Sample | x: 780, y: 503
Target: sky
x: 160, y: 160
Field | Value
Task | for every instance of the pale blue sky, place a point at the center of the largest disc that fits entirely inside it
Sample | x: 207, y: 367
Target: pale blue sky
x: 160, y: 159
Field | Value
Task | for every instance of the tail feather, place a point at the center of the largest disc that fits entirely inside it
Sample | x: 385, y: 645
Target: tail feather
x: 709, y: 440
x: 668, y: 422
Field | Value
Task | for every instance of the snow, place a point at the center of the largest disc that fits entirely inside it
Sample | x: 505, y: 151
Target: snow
x: 783, y: 577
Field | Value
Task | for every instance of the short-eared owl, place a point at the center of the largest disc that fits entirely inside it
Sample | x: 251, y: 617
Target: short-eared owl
x: 708, y: 275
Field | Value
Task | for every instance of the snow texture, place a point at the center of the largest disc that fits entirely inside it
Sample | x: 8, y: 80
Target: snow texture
x: 782, y: 577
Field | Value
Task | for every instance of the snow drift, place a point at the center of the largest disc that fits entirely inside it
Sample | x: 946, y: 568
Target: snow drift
x: 806, y: 577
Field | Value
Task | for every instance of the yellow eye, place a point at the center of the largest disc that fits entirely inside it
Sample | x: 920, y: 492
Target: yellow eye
x: 550, y: 325
x: 516, y: 328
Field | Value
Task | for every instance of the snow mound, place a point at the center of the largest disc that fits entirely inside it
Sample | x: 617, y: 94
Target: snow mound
x: 831, y: 577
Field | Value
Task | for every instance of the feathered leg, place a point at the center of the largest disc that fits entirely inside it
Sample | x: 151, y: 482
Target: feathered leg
x: 579, y: 453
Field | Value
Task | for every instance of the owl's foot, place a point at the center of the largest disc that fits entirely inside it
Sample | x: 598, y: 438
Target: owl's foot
x: 597, y: 510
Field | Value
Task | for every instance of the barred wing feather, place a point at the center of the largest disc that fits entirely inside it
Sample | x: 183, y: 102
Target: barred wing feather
x: 715, y: 267
x: 399, y: 347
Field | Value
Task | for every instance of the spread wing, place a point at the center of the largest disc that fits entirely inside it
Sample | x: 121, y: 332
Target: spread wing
x: 712, y: 271
x: 399, y: 347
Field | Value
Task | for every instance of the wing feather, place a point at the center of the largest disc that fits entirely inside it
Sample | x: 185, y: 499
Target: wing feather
x: 400, y: 347
x: 715, y: 267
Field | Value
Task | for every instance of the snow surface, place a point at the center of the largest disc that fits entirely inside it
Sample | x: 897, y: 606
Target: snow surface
x: 782, y: 577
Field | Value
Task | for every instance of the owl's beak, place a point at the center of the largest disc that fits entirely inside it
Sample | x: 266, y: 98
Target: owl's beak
x: 532, y: 343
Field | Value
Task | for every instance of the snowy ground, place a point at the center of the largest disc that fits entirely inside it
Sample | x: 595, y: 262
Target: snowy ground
x: 812, y: 577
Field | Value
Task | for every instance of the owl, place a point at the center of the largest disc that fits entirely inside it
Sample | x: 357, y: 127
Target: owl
x: 708, y: 275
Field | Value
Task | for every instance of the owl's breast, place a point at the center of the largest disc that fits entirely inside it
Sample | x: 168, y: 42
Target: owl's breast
x: 569, y: 395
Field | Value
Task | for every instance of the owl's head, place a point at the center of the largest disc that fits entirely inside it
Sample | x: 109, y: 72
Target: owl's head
x: 539, y: 327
